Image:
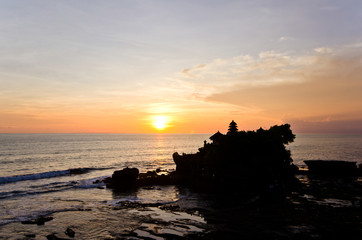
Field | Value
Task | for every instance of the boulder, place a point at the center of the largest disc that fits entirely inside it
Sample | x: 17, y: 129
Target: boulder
x: 70, y: 233
x: 126, y: 174
x: 125, y: 178
x: 332, y: 168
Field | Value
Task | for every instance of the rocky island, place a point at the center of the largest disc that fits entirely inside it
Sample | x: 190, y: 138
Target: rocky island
x: 241, y: 161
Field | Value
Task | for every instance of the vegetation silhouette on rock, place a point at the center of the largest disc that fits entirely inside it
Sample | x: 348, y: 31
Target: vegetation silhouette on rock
x: 248, y: 160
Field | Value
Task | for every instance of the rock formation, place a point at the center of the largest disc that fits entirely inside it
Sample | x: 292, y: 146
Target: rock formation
x: 244, y: 160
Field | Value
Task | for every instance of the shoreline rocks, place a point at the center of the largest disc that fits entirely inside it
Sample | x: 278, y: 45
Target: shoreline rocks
x: 332, y: 168
x: 125, y: 178
x: 130, y: 178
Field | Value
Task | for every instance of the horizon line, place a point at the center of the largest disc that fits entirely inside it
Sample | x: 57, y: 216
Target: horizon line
x: 319, y: 133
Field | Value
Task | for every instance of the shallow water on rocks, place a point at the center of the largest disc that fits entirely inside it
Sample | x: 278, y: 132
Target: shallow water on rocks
x: 142, y: 213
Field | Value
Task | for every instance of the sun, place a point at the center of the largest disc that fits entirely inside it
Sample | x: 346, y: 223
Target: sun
x: 160, y: 122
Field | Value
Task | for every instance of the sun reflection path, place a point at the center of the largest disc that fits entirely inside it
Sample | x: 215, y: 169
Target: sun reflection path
x: 162, y: 156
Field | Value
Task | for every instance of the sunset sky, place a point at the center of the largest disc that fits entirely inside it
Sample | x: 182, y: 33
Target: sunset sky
x: 180, y: 66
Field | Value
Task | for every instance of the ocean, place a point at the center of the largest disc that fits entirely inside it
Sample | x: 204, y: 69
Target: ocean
x: 37, y: 175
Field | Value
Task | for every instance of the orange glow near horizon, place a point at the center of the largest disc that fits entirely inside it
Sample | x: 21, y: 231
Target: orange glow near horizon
x: 305, y: 103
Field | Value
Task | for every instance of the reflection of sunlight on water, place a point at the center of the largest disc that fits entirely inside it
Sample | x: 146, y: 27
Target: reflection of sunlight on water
x: 303, y: 179
x: 162, y: 156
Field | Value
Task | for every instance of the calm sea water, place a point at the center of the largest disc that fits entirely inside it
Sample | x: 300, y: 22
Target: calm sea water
x: 35, y: 175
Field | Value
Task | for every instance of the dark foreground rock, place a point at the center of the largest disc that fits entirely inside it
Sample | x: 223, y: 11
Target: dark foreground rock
x: 130, y: 178
x: 125, y: 178
x: 332, y: 168
x: 69, y: 232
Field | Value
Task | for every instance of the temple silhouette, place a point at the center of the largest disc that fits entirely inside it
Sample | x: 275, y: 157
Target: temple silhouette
x: 245, y: 160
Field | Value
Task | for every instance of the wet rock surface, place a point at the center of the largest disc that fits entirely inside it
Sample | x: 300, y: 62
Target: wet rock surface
x: 316, y: 208
x: 162, y: 221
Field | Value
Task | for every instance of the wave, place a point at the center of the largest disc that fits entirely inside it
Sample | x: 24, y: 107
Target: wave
x: 51, y: 174
x: 95, y: 182
x: 20, y: 193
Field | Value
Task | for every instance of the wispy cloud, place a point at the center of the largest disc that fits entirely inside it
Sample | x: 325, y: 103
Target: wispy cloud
x: 282, y: 86
x: 284, y: 38
x: 323, y: 50
x: 245, y: 71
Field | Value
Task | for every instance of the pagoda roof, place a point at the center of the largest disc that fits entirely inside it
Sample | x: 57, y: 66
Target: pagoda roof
x: 216, y: 136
